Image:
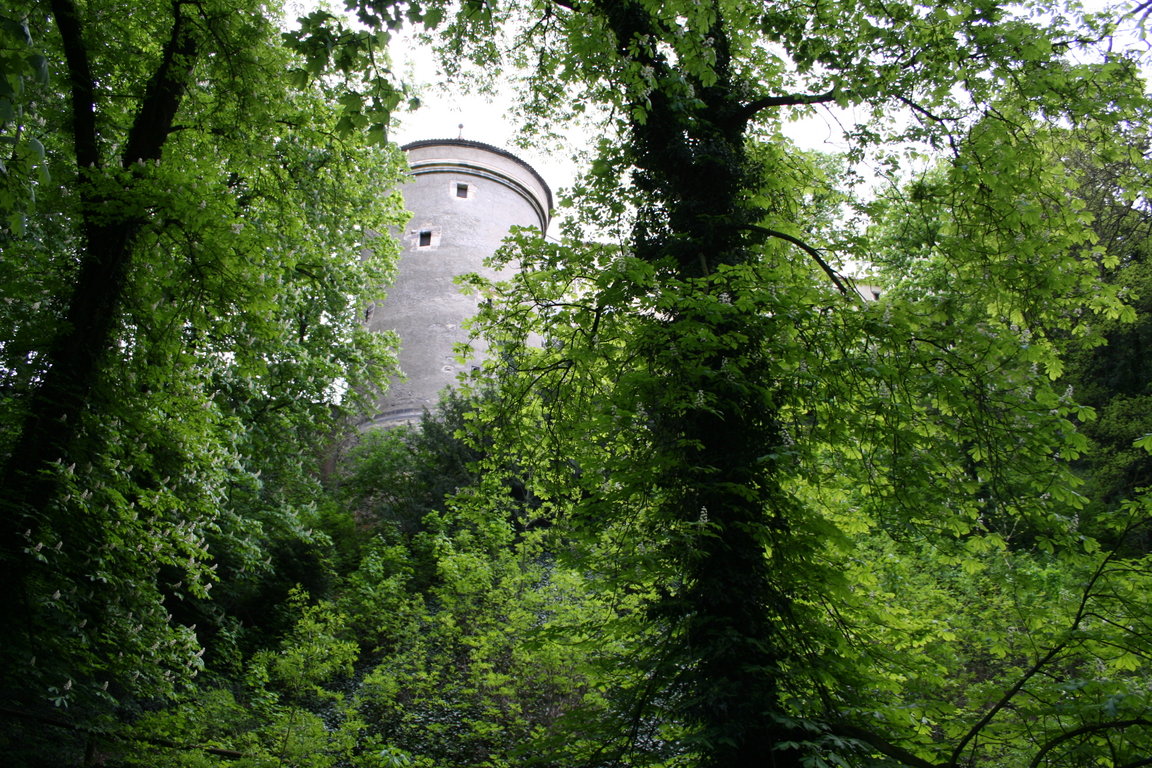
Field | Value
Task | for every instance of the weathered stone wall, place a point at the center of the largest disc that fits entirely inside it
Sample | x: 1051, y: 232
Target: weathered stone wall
x: 464, y: 196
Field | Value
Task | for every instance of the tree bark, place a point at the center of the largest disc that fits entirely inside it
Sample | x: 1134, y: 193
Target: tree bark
x: 730, y: 613
x: 109, y: 229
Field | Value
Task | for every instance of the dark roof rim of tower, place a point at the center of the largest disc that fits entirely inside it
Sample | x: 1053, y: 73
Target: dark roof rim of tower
x: 487, y: 147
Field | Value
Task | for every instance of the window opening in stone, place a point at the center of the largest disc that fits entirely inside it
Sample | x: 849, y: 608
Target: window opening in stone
x: 461, y: 190
x: 425, y: 238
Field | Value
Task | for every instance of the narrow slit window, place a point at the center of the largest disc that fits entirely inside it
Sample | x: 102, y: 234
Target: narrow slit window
x: 461, y: 190
x: 425, y: 238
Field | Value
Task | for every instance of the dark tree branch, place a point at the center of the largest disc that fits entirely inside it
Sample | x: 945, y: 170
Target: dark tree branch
x: 157, y: 114
x: 924, y: 111
x: 882, y: 745
x: 750, y: 110
x: 229, y: 754
x: 1082, y: 731
x: 1004, y: 700
x: 835, y: 277
x: 1043, y: 661
x: 1143, y: 10
x: 81, y: 83
x: 918, y: 109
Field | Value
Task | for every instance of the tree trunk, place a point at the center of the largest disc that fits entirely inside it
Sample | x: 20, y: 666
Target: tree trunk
x: 73, y: 362
x: 693, y: 170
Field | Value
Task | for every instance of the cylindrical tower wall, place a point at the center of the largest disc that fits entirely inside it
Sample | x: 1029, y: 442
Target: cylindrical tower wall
x: 464, y: 197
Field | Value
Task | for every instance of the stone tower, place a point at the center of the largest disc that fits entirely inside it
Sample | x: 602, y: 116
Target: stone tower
x: 464, y: 197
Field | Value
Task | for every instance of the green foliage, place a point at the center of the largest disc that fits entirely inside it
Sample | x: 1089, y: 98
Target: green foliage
x: 395, y: 478
x: 726, y: 513
x: 1107, y: 371
x: 741, y: 448
x: 452, y: 643
x: 23, y: 70
x: 460, y: 608
x: 272, y: 720
x: 182, y: 340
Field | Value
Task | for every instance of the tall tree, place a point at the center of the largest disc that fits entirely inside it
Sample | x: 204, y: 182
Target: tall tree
x: 181, y: 332
x: 718, y: 380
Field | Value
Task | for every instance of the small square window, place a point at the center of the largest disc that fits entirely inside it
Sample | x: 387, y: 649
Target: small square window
x: 461, y: 190
x: 425, y: 238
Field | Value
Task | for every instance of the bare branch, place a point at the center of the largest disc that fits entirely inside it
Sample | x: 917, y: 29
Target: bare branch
x: 837, y: 279
x: 787, y: 100
x: 1143, y: 10
x: 923, y: 111
x: 1083, y: 730
x: 920, y: 110
x: 1043, y: 661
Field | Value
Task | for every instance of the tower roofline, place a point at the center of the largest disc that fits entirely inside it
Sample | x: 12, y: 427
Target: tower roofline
x: 487, y: 148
